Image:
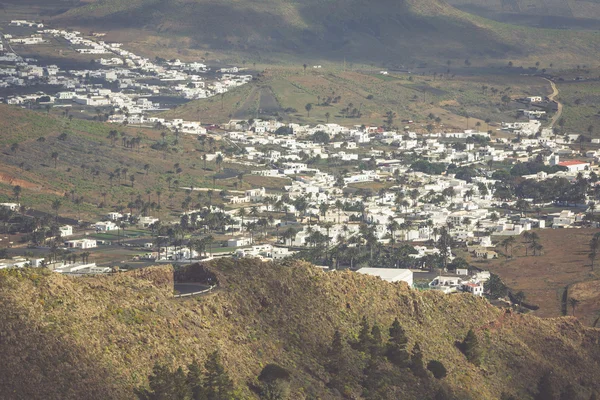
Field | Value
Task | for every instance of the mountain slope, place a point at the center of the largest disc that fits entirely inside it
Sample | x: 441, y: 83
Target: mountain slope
x: 542, y: 13
x: 332, y: 29
x: 264, y: 313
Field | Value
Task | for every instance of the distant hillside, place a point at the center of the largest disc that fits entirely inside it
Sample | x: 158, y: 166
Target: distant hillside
x: 98, y: 337
x: 357, y: 29
x: 577, y: 14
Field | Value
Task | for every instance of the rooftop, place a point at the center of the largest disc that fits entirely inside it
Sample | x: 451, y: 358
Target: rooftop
x: 571, y: 162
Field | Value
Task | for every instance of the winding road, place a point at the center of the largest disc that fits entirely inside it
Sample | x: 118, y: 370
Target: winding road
x: 558, y: 103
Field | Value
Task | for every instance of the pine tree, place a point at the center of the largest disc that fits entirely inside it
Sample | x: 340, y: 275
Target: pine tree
x: 217, y: 384
x: 364, y: 336
x: 471, y: 348
x: 181, y: 390
x: 194, y: 380
x: 442, y: 394
x: 569, y: 393
x: 545, y: 389
x: 376, y: 340
x: 416, y: 362
x: 397, y: 352
x: 165, y: 384
x: 334, y: 354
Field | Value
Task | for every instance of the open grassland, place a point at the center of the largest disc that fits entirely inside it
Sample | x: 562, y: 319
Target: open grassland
x: 544, y: 278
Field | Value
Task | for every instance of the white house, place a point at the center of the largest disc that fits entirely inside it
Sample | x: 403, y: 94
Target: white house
x: 105, y: 226
x: 475, y: 289
x: 81, y: 244
x: 66, y: 230
x: 390, y: 274
x: 238, y: 242
x: 575, y: 165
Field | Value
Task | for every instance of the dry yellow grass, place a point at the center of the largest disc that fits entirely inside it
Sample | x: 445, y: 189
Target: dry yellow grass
x: 267, y: 313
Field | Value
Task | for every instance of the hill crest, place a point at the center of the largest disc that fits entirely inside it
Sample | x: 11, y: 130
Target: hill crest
x: 264, y: 313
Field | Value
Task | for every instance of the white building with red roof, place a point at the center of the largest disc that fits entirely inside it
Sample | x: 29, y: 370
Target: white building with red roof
x: 575, y: 165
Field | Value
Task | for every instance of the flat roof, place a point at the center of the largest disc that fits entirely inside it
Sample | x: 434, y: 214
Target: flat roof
x: 386, y: 273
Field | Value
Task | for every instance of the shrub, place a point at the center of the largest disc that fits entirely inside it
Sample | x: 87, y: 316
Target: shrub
x: 273, y: 372
x: 437, y: 369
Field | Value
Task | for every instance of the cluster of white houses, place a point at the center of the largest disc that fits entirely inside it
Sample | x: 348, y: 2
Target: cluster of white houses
x: 119, y: 80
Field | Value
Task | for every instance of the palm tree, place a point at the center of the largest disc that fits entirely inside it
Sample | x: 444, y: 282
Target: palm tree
x: 55, y: 158
x: 573, y: 303
x: 537, y: 248
x: 242, y: 214
x: 508, y: 242
x: 219, y: 161
x: 327, y: 116
x: 594, y: 246
x: 17, y: 192
x: 519, y: 297
x: 56, y: 204
x: 308, y: 107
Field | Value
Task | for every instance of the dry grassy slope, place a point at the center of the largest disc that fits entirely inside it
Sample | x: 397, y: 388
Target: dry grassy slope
x: 544, y: 278
x: 56, y: 330
x: 87, y: 144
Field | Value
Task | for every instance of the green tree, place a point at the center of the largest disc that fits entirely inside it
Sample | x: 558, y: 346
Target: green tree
x: 274, y: 382
x: 308, y: 107
x: 17, y: 192
x: 545, y: 389
x: 195, y: 380
x: 471, y: 348
x: 376, y: 340
x: 437, y: 369
x: 396, y: 351
x: 219, y: 161
x: 55, y: 158
x: 56, y: 204
x: 217, y: 383
x: 164, y: 384
x: 417, y: 365
x: 569, y: 393
x: 573, y: 302
x: 364, y: 335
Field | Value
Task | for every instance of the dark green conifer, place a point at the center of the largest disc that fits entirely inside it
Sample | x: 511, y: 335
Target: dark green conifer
x: 471, y: 348
x: 545, y: 391
x: 397, y: 352
x: 217, y: 384
x: 364, y: 336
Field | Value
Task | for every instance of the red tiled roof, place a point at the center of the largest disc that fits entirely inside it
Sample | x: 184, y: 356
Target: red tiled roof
x: 573, y: 162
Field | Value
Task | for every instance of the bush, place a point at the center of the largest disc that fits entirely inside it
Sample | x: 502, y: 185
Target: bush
x: 437, y: 369
x: 273, y: 372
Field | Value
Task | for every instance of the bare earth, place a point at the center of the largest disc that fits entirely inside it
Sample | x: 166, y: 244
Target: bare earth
x: 544, y: 278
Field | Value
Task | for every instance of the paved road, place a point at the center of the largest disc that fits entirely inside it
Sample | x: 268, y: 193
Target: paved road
x: 185, y: 288
x: 558, y: 104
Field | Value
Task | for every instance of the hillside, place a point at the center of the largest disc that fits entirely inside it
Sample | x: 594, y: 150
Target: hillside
x: 358, y: 30
x: 92, y: 173
x: 577, y: 14
x: 99, y: 337
x: 563, y: 266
